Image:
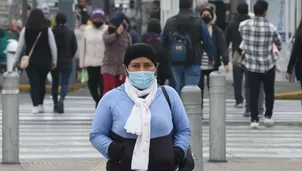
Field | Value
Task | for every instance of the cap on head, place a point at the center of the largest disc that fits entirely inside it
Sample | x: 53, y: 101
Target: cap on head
x: 98, y: 13
x: 140, y: 50
x: 117, y: 19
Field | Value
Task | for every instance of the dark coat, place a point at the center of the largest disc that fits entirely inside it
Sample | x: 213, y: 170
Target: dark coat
x: 66, y: 44
x: 220, y: 49
x: 296, y: 56
x: 232, y: 35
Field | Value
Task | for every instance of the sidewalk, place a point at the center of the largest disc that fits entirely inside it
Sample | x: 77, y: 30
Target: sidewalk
x: 94, y: 165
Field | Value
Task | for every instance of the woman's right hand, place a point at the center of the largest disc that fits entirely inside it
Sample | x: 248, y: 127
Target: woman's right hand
x: 288, y: 75
x: 120, y: 29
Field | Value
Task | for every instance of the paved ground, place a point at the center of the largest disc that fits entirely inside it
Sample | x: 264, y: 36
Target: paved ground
x: 65, y: 136
x: 235, y: 165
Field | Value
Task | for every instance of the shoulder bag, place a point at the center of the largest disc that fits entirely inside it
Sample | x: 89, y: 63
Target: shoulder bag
x: 25, y: 59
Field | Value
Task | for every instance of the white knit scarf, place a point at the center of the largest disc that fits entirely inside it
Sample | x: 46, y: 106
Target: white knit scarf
x: 139, y: 123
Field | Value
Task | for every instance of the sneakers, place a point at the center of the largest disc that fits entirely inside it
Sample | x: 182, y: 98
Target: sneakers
x: 247, y: 114
x: 255, y: 125
x: 40, y: 109
x: 268, y: 122
x: 238, y: 105
x: 35, y: 110
x: 59, y: 107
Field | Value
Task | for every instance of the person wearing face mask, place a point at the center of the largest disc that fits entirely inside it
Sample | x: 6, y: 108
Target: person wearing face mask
x: 92, y: 53
x: 116, y: 40
x: 220, y: 50
x: 139, y: 125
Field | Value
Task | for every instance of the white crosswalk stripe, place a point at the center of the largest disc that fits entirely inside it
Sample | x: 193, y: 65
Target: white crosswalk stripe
x: 72, y: 142
x: 66, y: 136
x: 289, y: 111
x: 77, y: 111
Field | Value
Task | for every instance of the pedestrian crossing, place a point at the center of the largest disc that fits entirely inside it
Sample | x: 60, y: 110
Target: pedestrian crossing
x: 66, y: 136
x: 77, y: 111
x: 80, y: 110
x: 285, y: 111
x: 46, y: 142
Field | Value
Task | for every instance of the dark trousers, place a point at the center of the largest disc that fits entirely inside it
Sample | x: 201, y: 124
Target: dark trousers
x: 95, y: 83
x: 268, y: 80
x: 60, y: 75
x: 238, y: 73
x: 37, y: 78
x: 204, y: 73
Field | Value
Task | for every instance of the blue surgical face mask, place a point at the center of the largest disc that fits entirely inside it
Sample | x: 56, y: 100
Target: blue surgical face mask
x: 141, y: 79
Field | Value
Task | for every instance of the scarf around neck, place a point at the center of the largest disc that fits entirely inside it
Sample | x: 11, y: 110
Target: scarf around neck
x: 139, y: 123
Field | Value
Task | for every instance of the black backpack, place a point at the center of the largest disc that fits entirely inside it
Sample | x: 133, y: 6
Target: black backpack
x: 189, y: 160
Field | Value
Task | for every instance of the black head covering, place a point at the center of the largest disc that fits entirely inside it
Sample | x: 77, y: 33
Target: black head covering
x: 139, y: 50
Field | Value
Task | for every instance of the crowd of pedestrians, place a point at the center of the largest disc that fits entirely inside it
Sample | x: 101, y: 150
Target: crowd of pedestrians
x: 128, y: 73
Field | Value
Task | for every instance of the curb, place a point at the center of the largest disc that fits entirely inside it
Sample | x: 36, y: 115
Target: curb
x: 289, y: 96
x: 73, y: 87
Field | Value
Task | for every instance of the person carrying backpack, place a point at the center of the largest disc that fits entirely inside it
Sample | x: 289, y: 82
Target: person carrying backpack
x: 182, y: 35
x: 152, y: 37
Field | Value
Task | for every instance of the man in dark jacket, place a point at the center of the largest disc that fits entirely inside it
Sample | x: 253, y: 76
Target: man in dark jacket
x: 182, y: 35
x: 233, y: 36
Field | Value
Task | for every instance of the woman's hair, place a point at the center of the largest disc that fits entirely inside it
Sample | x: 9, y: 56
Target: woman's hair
x: 60, y: 30
x: 36, y: 20
x: 154, y: 26
x: 61, y: 19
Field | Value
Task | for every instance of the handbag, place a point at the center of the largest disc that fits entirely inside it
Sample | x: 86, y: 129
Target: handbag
x: 25, y: 59
x: 188, y: 163
x: 237, y: 58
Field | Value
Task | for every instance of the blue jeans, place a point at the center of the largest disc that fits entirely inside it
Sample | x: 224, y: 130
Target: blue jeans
x: 185, y: 75
x: 60, y: 75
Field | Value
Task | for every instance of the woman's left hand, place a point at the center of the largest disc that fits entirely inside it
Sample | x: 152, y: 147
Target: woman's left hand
x: 53, y: 66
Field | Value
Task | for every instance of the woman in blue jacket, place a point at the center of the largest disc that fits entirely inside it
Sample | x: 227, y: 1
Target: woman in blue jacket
x: 134, y: 126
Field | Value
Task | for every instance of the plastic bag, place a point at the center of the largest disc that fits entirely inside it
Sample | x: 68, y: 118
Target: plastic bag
x: 84, y: 76
x: 49, y: 77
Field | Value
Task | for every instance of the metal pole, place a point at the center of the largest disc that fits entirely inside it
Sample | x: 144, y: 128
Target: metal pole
x: 191, y: 98
x: 217, y: 117
x: 10, y: 118
x: 24, y: 12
